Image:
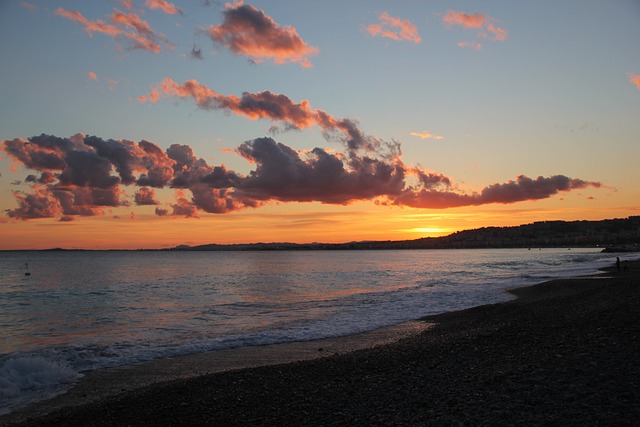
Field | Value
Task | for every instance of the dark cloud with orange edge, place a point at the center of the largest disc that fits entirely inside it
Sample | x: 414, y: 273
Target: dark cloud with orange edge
x: 266, y: 105
x: 250, y: 32
x: 87, y: 175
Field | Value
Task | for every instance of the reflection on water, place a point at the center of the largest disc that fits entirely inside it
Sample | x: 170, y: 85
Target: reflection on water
x: 80, y: 311
x: 171, y: 298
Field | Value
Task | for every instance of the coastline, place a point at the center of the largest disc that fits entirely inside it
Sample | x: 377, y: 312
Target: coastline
x: 565, y: 351
x: 109, y: 383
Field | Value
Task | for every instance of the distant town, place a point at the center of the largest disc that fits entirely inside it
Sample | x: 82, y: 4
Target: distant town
x: 616, y: 235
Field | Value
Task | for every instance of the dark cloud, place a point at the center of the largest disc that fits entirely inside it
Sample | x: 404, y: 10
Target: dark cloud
x: 184, y: 207
x: 87, y: 175
x: 523, y: 188
x: 87, y: 168
x: 283, y: 175
x: 162, y: 212
x: 196, y: 53
x: 146, y: 196
x: 39, y: 204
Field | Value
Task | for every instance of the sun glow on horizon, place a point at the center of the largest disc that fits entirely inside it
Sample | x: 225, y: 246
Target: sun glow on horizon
x: 430, y: 231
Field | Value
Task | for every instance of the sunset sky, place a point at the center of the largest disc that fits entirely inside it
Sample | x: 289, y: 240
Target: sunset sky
x: 148, y: 123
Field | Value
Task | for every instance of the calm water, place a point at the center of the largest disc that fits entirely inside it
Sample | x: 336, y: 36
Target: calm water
x: 80, y: 311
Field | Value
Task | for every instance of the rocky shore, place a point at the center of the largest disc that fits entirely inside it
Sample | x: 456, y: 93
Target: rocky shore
x: 565, y: 352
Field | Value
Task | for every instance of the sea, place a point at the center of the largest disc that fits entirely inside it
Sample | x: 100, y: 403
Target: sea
x: 63, y: 313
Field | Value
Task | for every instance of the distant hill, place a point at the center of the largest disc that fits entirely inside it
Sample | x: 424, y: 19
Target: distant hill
x: 614, y: 234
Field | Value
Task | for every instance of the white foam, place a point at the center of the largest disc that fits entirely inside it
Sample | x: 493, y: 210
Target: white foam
x: 25, y: 379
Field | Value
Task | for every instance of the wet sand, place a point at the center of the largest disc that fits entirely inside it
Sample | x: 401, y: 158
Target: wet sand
x: 565, y: 352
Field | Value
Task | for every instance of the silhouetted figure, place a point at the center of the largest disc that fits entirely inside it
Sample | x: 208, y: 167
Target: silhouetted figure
x: 26, y: 266
x: 618, y: 263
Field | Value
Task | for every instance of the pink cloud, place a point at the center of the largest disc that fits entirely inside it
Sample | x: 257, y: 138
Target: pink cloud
x: 143, y: 37
x: 426, y: 135
x: 92, y: 75
x: 394, y: 28
x: 163, y: 5
x: 477, y: 21
x: 250, y: 32
x: 470, y: 45
x: 90, y: 27
x: 28, y: 5
x: 127, y: 4
x: 635, y: 79
x: 130, y: 27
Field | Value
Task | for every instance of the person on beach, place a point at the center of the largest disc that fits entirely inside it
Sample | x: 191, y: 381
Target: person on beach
x: 618, y: 263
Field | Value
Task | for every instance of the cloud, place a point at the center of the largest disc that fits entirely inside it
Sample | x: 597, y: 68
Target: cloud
x: 127, y: 4
x: 426, y: 135
x: 635, y: 79
x: 283, y: 174
x: 394, y: 28
x: 161, y: 212
x: 522, y: 189
x: 146, y: 196
x: 267, y: 105
x: 163, y: 5
x: 87, y: 175
x: 248, y: 31
x: 39, y: 204
x: 28, y: 5
x: 470, y: 45
x: 90, y: 27
x: 92, y: 75
x: 124, y: 26
x: 485, y: 25
x: 64, y: 201
x: 183, y: 207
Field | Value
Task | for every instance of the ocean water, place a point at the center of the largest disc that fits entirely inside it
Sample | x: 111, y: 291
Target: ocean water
x: 79, y: 311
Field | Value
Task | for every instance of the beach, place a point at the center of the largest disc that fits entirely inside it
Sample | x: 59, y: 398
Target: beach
x: 565, y: 352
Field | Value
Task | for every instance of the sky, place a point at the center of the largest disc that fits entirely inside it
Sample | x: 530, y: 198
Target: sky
x: 141, y: 124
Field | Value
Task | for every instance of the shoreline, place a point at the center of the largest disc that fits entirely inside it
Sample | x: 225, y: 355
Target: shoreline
x: 535, y: 357
x: 108, y: 383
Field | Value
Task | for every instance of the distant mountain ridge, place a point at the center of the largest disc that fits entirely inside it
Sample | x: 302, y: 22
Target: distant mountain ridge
x: 614, y: 234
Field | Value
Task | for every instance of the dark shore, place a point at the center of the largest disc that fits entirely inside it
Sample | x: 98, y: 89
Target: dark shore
x: 565, y: 352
